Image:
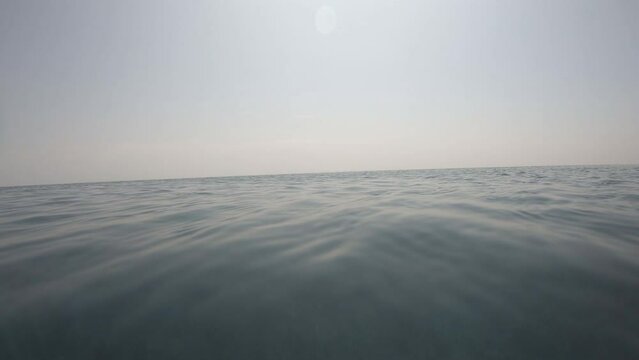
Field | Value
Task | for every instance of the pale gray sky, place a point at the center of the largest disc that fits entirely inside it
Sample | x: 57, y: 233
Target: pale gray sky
x: 135, y: 89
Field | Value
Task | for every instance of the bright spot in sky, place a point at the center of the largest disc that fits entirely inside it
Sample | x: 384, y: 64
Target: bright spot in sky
x: 325, y: 20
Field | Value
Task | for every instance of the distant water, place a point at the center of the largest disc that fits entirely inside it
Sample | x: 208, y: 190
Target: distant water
x: 503, y: 263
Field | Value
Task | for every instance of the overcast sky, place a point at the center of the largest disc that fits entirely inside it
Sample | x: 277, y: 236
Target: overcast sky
x: 138, y: 89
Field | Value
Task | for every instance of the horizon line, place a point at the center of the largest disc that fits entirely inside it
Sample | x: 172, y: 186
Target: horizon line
x: 312, y: 173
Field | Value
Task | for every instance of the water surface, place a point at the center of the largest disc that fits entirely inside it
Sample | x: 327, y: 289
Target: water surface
x: 503, y: 263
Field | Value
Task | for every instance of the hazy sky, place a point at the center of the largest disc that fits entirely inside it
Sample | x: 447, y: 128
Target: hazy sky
x: 134, y: 89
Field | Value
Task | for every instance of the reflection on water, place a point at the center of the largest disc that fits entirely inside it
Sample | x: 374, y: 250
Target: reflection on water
x: 512, y: 263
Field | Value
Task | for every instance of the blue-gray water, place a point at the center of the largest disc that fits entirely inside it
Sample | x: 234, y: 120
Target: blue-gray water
x: 505, y: 263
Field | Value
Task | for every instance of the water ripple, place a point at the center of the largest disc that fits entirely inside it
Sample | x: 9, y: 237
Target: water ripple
x: 521, y: 263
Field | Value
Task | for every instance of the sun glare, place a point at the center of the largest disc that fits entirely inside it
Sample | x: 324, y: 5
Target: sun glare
x: 325, y: 20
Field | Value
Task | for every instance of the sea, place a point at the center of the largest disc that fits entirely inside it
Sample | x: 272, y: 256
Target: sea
x: 485, y: 263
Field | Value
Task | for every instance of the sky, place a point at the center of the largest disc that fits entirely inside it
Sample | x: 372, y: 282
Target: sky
x: 145, y: 89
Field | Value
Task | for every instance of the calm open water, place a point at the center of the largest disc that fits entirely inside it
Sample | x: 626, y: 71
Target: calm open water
x: 504, y: 263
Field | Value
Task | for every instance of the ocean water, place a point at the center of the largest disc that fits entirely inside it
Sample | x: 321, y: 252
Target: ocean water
x: 502, y: 263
